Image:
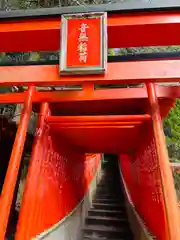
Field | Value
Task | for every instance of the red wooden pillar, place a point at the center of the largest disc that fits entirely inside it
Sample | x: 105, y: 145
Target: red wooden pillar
x: 26, y: 213
x: 170, y: 199
x: 14, y: 164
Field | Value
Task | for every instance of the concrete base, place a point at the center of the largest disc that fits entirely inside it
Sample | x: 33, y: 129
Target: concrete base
x: 139, y: 230
x: 69, y: 228
x: 138, y: 227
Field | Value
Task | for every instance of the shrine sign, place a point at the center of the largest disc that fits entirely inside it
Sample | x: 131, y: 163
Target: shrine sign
x: 83, y: 43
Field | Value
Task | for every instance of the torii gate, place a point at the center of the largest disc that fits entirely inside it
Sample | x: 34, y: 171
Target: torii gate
x: 127, y: 121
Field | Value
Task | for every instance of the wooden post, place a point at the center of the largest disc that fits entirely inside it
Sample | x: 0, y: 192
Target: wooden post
x: 170, y: 199
x: 14, y: 164
x: 24, y: 227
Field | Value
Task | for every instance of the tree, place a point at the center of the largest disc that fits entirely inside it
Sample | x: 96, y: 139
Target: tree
x: 172, y: 131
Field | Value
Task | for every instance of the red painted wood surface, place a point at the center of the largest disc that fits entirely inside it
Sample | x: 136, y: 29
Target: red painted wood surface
x: 100, y: 134
x: 86, y: 134
x: 146, y: 29
x: 92, y: 44
x: 9, y: 185
x: 124, y: 96
x: 142, y: 176
x: 57, y: 181
x: 118, y: 73
x: 167, y: 181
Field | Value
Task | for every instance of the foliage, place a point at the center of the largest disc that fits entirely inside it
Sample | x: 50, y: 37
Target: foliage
x: 172, y: 132
x: 9, y: 5
x: 176, y: 176
x: 138, y: 50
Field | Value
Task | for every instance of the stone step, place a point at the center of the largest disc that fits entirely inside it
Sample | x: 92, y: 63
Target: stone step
x: 107, y: 221
x: 110, y: 191
x: 107, y: 218
x: 108, y: 195
x: 108, y: 200
x: 105, y: 231
x: 103, y: 238
x: 107, y: 213
x: 107, y: 206
x: 107, y: 187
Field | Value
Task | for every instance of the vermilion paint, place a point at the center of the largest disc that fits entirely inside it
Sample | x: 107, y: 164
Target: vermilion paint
x: 142, y: 176
x: 124, y: 30
x: 14, y: 164
x: 58, y: 179
x: 120, y: 95
x: 60, y: 170
x: 93, y: 42
x: 166, y: 178
x: 118, y: 73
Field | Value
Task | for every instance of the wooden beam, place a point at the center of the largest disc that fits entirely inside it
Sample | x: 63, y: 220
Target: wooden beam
x: 159, y: 28
x: 118, y: 73
x: 77, y: 96
x: 96, y: 119
x: 97, y: 124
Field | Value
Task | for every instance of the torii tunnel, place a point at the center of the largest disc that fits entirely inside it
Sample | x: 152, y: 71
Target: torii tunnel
x: 76, y: 128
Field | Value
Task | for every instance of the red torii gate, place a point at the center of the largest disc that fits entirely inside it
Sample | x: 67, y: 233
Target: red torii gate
x: 122, y: 126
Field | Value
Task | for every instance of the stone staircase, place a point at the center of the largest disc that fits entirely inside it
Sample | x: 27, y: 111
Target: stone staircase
x: 107, y: 218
